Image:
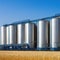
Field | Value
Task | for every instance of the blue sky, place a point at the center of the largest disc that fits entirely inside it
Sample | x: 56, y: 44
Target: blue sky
x: 16, y: 10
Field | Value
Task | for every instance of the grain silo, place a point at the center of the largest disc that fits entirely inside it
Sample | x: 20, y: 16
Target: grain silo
x: 11, y: 34
x: 3, y: 35
x: 20, y: 33
x: 55, y: 33
x: 42, y: 34
x: 29, y: 34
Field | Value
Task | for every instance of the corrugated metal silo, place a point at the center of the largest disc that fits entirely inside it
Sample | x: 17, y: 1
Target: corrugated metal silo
x: 42, y: 34
x: 11, y: 34
x: 55, y: 33
x: 20, y: 33
x: 29, y: 34
x: 2, y: 35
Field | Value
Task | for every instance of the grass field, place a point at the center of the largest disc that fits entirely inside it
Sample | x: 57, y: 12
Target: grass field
x: 29, y: 55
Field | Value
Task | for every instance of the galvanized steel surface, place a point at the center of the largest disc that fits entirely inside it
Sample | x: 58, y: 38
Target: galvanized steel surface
x: 11, y: 34
x: 29, y: 34
x: 55, y: 33
x: 20, y: 33
x: 42, y: 34
x: 2, y: 35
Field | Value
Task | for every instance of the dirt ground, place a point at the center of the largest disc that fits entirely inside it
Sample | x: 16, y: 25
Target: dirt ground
x: 29, y: 55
